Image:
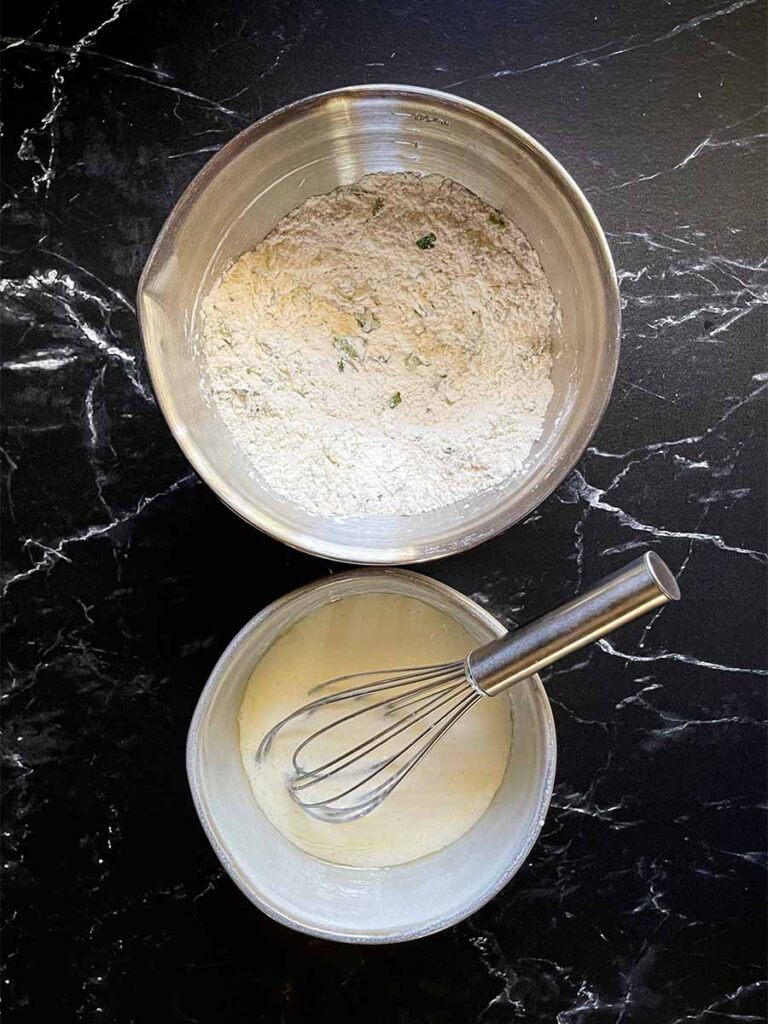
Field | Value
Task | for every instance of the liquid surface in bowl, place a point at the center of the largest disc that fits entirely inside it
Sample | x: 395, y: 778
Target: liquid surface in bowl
x: 441, y: 799
x: 384, y: 350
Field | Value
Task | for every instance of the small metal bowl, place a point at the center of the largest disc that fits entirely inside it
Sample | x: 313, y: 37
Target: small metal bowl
x: 365, y: 905
x: 311, y: 147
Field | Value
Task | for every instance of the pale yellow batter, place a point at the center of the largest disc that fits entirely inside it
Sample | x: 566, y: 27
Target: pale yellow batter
x: 441, y: 799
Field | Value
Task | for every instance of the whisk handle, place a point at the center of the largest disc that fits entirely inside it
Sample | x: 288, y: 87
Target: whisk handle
x: 635, y: 590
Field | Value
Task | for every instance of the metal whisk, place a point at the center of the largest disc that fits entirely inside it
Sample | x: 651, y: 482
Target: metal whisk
x: 410, y: 709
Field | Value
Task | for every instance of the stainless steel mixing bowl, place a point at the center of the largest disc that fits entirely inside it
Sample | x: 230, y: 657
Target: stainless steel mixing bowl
x: 312, y: 147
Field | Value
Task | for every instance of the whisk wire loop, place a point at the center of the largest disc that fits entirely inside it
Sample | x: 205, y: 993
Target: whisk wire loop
x: 331, y: 808
x: 314, y: 775
x: 433, y: 694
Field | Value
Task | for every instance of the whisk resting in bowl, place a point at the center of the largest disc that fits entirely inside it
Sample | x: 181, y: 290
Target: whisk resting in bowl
x: 338, y: 778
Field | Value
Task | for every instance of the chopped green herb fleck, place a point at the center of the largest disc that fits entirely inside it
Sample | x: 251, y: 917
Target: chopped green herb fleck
x: 345, y: 345
x: 340, y: 365
x: 378, y: 206
x: 396, y: 399
x: 427, y: 241
x: 412, y: 360
x: 496, y: 219
x: 368, y: 321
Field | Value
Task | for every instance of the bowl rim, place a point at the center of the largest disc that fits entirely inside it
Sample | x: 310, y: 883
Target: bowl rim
x: 356, y: 553
x: 218, y: 842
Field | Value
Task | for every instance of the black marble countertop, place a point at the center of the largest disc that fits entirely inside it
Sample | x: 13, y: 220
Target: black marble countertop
x: 644, y: 899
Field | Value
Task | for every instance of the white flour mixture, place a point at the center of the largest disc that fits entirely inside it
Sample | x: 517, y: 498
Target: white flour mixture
x: 385, y: 350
